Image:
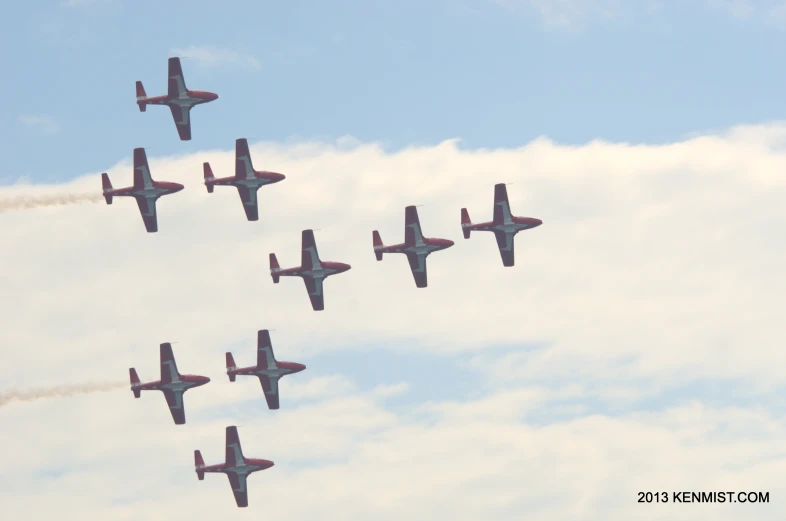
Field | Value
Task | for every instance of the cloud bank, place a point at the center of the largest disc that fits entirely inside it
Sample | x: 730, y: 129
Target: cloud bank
x: 657, y: 272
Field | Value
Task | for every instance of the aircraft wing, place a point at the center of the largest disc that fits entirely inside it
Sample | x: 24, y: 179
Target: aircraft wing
x: 169, y: 372
x: 505, y: 244
x: 248, y: 196
x: 182, y: 117
x: 309, y: 257
x: 417, y: 263
x: 142, y: 178
x: 412, y: 232
x: 270, y: 386
x: 176, y: 81
x: 315, y: 293
x: 147, y: 207
x: 244, y: 169
x: 174, y: 400
x: 501, y: 204
x: 265, y: 357
x: 239, y: 488
x: 234, y: 454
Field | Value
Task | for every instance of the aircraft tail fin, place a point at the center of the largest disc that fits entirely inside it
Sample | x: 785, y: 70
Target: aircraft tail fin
x: 106, y: 185
x: 231, y: 366
x: 378, y: 245
x: 141, y: 96
x: 135, y: 383
x: 208, y: 177
x: 274, y: 268
x: 465, y: 223
x: 199, y: 463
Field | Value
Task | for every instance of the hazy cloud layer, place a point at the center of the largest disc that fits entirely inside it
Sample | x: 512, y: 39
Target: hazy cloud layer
x: 656, y: 267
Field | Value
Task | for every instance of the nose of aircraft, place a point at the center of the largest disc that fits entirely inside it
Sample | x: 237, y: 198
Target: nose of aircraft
x: 536, y: 222
x: 345, y: 267
x: 213, y: 96
x: 176, y: 187
x: 205, y: 379
x: 299, y: 367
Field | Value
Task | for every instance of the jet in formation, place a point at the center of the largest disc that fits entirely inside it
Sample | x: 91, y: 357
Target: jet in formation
x: 416, y: 247
x: 246, y: 179
x: 311, y: 269
x: 505, y: 226
x: 236, y: 467
x: 172, y: 383
x: 179, y: 99
x: 268, y: 369
x: 145, y: 190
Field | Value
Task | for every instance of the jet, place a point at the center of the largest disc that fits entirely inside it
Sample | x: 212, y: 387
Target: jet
x: 145, y: 190
x: 179, y: 99
x: 246, y: 179
x: 268, y: 369
x: 415, y: 246
x: 172, y: 383
x: 237, y: 467
x: 505, y: 226
x: 312, y: 270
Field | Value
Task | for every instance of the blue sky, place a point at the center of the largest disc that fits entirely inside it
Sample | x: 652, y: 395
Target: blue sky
x: 496, y: 74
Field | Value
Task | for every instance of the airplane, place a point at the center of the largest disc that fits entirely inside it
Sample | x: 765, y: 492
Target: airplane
x: 236, y: 467
x: 179, y: 99
x: 145, y: 190
x: 172, y: 383
x: 415, y: 246
x: 313, y: 270
x: 246, y: 179
x: 268, y: 369
x: 505, y: 226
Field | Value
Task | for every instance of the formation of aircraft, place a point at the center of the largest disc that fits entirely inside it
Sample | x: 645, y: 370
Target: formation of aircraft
x: 246, y: 179
x: 145, y: 190
x: 178, y: 98
x: 416, y: 247
x: 505, y: 226
x: 268, y: 369
x: 236, y: 466
x: 172, y: 384
x: 312, y: 270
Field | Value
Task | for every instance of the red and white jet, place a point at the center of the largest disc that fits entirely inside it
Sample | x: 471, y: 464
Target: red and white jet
x: 311, y: 269
x: 172, y: 383
x: 179, y: 99
x: 415, y: 246
x: 505, y: 226
x: 268, y: 369
x: 237, y: 467
x: 246, y: 179
x: 145, y: 190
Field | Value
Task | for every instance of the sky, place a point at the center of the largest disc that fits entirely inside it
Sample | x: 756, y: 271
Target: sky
x: 634, y: 347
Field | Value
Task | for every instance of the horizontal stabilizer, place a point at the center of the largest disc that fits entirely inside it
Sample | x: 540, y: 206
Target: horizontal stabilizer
x: 106, y: 186
x: 199, y: 463
x: 141, y: 96
x: 231, y: 366
x: 465, y: 223
x: 378, y: 245
x: 274, y: 268
x: 208, y: 177
x: 134, y: 382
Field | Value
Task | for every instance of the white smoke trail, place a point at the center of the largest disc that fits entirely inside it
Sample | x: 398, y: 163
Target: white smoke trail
x: 26, y: 202
x: 59, y: 391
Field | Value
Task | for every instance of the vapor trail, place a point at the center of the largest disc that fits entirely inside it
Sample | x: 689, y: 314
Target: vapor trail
x: 26, y: 202
x: 59, y: 391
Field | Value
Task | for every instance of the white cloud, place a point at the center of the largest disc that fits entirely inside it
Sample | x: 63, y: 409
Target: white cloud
x: 656, y: 266
x: 211, y: 56
x: 40, y: 123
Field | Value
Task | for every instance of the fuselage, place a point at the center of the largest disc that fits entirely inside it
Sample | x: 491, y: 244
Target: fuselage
x: 156, y: 190
x: 514, y: 224
x: 191, y: 98
x: 324, y: 270
x: 179, y: 383
x: 281, y: 369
